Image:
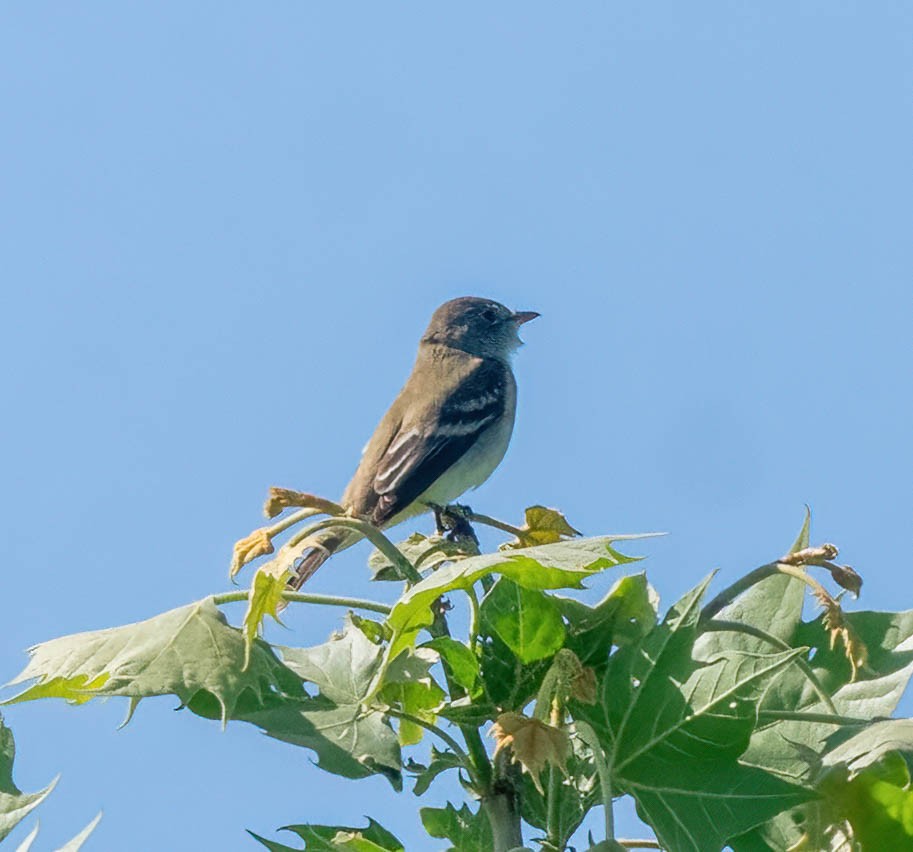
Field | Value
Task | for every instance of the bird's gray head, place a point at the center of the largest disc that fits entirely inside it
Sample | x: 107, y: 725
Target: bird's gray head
x: 480, y: 327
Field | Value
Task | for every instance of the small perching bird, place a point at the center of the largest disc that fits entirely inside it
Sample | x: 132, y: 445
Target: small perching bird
x: 445, y: 432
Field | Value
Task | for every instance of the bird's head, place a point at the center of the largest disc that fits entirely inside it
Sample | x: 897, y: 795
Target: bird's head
x: 478, y: 326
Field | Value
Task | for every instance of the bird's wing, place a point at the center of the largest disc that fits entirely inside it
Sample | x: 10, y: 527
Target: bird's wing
x: 425, y: 447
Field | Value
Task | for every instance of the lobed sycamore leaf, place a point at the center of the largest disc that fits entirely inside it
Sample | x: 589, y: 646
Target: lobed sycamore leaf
x: 183, y: 652
x: 577, y: 792
x: 799, y: 750
x: 349, y: 740
x: 333, y: 838
x: 440, y: 762
x: 466, y: 831
x: 660, y: 707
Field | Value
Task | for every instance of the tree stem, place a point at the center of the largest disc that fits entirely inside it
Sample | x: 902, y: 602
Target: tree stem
x: 502, y: 806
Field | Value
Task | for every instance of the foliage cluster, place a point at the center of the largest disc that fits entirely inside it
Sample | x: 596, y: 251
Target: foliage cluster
x: 732, y: 722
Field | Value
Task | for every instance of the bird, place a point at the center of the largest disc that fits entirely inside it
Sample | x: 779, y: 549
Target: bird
x: 446, y: 431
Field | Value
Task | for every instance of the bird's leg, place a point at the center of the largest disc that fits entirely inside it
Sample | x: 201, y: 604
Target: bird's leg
x: 438, y: 511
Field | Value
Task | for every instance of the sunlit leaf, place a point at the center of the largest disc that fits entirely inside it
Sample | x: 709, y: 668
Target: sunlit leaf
x: 543, y: 526
x: 409, y: 687
x: 181, y: 652
x: 264, y: 599
x: 878, y: 803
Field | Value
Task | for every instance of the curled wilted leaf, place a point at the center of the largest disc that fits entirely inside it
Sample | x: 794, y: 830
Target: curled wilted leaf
x: 257, y: 544
x: 838, y: 627
x: 845, y: 577
x: 583, y: 685
x: 280, y: 499
x: 810, y: 555
x: 535, y: 744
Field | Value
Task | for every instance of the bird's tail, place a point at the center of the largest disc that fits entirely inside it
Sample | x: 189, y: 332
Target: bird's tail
x: 322, y: 549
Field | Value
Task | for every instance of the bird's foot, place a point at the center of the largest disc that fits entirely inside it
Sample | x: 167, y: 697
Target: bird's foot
x: 452, y: 522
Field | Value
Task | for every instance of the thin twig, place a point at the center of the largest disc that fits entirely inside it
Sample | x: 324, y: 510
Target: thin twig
x: 438, y: 732
x: 304, y: 597
x: 823, y: 718
x: 488, y: 521
x: 738, y: 627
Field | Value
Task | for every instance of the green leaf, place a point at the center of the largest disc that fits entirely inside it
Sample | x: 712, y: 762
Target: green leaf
x: 507, y: 682
x: 182, y: 652
x: 797, y: 750
x: 440, y: 762
x: 467, y: 831
x: 264, y: 599
x: 460, y: 662
x: 576, y: 794
x: 527, y: 621
x: 417, y: 699
x: 565, y: 564
x: 626, y: 614
x: 878, y: 803
x: 15, y: 805
x: 332, y: 838
x: 802, y: 540
x: 871, y: 744
x: 348, y: 740
x: 422, y: 551
x: 661, y: 708
x: 376, y: 631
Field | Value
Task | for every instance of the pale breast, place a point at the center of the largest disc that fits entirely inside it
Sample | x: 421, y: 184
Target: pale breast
x: 480, y: 461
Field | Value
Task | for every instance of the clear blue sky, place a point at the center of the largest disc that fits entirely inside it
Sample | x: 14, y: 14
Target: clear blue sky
x: 225, y: 225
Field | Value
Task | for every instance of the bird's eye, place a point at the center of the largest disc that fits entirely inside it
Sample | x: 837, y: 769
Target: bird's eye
x: 489, y: 315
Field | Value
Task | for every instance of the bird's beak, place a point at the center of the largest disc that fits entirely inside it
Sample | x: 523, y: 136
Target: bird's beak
x: 521, y: 317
